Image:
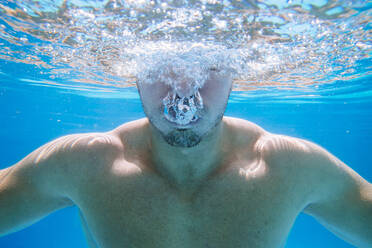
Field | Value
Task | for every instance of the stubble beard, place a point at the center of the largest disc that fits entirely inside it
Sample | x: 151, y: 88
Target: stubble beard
x: 188, y: 138
x: 182, y: 138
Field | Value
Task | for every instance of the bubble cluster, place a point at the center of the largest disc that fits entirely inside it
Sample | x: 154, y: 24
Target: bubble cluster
x: 180, y: 62
x: 284, y: 44
x: 182, y: 110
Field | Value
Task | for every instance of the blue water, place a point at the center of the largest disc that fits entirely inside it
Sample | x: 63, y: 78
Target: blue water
x: 306, y: 73
x: 32, y: 115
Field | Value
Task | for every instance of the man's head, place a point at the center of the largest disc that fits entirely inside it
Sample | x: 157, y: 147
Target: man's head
x: 182, y: 109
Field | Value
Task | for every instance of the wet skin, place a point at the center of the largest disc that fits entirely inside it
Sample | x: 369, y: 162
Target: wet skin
x: 240, y: 186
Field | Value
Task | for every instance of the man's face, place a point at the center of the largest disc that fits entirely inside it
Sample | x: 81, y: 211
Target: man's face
x: 214, y: 94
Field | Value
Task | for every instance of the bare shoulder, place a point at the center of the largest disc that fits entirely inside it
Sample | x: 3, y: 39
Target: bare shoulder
x: 242, y: 133
x: 242, y: 125
x: 132, y: 128
x: 295, y: 155
x: 77, y: 147
x: 315, y: 172
x: 134, y: 136
x: 270, y: 146
x: 65, y: 160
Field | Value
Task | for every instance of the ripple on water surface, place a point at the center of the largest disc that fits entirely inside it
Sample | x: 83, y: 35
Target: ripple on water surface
x: 295, y: 46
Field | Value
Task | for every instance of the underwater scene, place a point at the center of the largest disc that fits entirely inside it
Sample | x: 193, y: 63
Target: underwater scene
x: 299, y: 68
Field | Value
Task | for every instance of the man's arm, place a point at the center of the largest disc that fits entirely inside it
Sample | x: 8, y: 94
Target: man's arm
x: 44, y: 180
x: 341, y: 200
x: 334, y: 194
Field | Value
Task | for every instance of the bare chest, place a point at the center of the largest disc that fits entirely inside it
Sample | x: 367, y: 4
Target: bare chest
x: 232, y: 210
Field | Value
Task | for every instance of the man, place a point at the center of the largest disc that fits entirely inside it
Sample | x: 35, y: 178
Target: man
x: 187, y: 177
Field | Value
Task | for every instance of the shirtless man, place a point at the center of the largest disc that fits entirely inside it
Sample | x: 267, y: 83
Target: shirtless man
x: 187, y: 177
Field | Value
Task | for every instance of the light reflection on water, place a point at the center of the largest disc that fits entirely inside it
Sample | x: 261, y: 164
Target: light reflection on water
x: 288, y: 45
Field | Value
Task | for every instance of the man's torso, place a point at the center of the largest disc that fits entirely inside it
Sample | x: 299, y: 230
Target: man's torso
x: 250, y: 203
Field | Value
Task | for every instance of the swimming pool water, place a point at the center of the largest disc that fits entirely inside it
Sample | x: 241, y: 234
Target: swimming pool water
x: 33, y: 115
x: 305, y: 71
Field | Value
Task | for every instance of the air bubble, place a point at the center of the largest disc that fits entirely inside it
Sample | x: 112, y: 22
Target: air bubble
x: 182, y: 110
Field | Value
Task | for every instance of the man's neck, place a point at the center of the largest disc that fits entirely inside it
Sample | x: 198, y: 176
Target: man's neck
x: 187, y: 167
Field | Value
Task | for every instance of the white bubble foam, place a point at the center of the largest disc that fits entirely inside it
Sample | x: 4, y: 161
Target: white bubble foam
x: 182, y: 63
